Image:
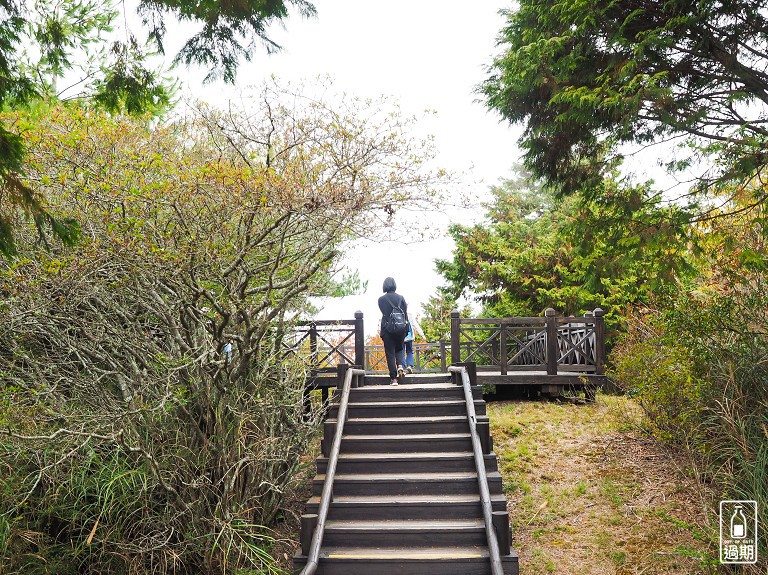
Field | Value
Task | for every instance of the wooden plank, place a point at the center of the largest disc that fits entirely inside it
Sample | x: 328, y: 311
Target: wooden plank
x: 321, y: 382
x: 509, y: 321
x: 327, y: 322
x: 576, y: 367
x: 577, y: 322
x: 522, y: 378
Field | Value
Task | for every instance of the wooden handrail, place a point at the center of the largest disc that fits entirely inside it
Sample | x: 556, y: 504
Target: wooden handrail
x: 327, y: 493
x: 482, y: 478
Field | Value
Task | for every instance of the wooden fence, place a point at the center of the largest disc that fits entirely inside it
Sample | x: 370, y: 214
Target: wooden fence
x: 324, y: 344
x: 552, y: 343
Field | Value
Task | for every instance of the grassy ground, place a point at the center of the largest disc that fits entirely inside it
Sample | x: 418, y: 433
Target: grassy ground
x: 590, y: 495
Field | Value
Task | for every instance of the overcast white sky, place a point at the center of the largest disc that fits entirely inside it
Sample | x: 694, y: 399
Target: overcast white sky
x: 427, y: 54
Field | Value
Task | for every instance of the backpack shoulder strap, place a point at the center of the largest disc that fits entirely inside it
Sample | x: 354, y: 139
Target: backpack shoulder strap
x: 394, y: 304
x: 399, y: 304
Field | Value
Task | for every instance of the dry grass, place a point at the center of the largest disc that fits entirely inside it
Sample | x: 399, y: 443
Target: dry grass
x: 589, y: 494
x: 286, y: 532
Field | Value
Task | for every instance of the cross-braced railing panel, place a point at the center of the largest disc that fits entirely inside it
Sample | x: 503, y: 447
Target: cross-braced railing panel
x: 375, y: 359
x: 530, y: 344
x: 503, y: 344
x: 576, y: 344
x: 528, y: 349
x: 339, y: 350
x: 323, y: 345
x: 479, y: 344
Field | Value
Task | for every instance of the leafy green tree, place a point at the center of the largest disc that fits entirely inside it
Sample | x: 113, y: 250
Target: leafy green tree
x: 588, y: 79
x: 435, y: 318
x: 42, y: 43
x: 536, y: 251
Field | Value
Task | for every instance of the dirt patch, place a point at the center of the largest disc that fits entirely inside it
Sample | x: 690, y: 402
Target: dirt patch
x: 588, y: 494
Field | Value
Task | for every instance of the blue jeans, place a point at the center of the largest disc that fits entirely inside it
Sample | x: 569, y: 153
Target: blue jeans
x: 409, y: 353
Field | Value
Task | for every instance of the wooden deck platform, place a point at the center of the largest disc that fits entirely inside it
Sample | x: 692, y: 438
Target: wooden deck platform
x: 513, y: 385
x: 540, y: 378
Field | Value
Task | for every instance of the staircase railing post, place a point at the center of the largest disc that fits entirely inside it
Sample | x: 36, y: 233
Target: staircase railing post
x: 358, y: 378
x: 553, y: 351
x: 484, y: 433
x: 503, y: 532
x: 471, y: 367
x: 443, y: 358
x: 503, y: 354
x: 308, y: 524
x: 599, y: 341
x: 332, y: 446
x: 455, y: 342
x: 482, y: 477
x: 341, y: 373
x: 359, y: 340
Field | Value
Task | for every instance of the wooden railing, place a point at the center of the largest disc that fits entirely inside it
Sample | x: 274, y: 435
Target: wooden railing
x: 324, y: 344
x: 460, y: 376
x: 551, y: 343
x: 313, y: 526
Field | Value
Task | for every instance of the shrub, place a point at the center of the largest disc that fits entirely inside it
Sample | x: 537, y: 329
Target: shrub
x: 149, y: 421
x: 659, y: 374
x: 699, y: 371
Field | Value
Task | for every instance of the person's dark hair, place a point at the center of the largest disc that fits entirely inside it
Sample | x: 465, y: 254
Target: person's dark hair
x: 389, y: 285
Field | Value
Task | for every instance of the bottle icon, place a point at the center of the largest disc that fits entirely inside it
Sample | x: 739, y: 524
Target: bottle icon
x: 738, y: 524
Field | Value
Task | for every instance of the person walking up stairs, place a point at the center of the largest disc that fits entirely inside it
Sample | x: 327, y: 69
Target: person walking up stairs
x: 394, y: 327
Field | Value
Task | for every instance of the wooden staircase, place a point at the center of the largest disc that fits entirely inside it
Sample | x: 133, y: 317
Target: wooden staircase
x: 406, y: 499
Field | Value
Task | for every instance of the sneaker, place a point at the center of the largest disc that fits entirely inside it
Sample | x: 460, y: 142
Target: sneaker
x: 409, y: 369
x: 393, y: 382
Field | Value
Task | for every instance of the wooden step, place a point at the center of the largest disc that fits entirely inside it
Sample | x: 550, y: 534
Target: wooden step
x: 410, y: 379
x: 404, y: 425
x: 406, y: 483
x: 405, y: 532
x: 398, y: 443
x: 413, y: 393
x: 454, y: 560
x: 459, y: 506
x: 408, y: 408
x: 407, y: 462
